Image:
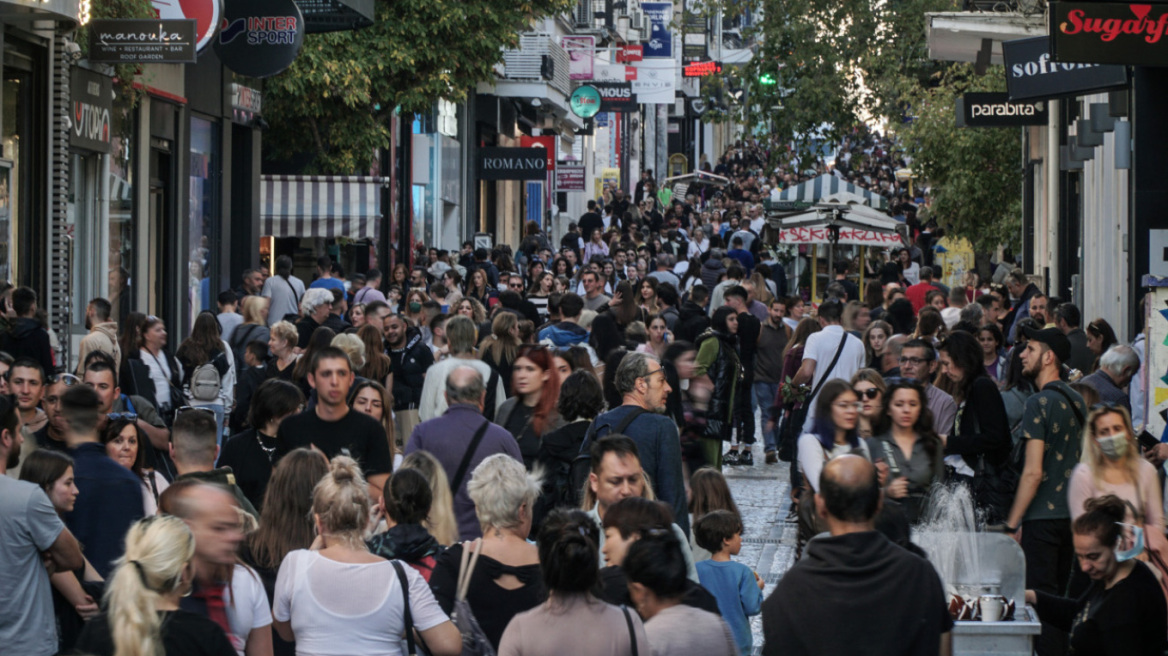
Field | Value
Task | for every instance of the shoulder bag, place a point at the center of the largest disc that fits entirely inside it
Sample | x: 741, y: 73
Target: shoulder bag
x: 474, y: 640
x: 407, y: 615
x: 632, y: 630
x: 456, y: 482
x: 797, y: 416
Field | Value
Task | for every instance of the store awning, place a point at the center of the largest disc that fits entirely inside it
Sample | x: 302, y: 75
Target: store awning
x: 321, y: 206
x: 858, y: 225
x: 830, y: 185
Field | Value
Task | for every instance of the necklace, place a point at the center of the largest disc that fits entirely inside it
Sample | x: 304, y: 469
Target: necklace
x: 269, y: 450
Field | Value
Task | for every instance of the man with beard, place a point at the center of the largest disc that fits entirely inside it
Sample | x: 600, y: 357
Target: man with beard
x: 640, y: 379
x: 1052, y: 426
x: 410, y: 359
x: 103, y: 334
x: 34, y: 536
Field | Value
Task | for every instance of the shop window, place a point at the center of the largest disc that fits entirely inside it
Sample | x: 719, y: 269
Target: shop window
x: 203, y: 263
x: 122, y: 254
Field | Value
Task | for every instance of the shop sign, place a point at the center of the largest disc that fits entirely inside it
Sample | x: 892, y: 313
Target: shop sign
x: 656, y: 86
x: 847, y: 237
x: 581, y: 56
x: 548, y: 143
x: 585, y: 101
x: 630, y: 53
x: 570, y: 178
x: 997, y: 110
x: 512, y: 164
x: 260, y: 38
x: 1102, y: 33
x: 701, y: 69
x: 1031, y: 74
x: 142, y: 41
x: 246, y: 103
x: 616, y: 97
x: 660, y: 42
x: 206, y: 13
x: 92, y: 97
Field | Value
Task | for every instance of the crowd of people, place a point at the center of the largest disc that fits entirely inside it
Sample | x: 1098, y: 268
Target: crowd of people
x: 517, y: 449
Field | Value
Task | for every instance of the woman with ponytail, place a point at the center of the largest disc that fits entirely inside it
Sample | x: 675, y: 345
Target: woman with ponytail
x: 1123, y: 612
x: 572, y: 619
x: 338, y: 593
x: 142, y: 616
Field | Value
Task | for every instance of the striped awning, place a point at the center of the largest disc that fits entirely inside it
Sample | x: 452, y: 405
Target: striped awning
x: 321, y: 206
x: 829, y: 185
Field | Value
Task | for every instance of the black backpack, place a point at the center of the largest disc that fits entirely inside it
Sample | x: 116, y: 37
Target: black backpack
x: 581, y: 466
x: 1009, y: 473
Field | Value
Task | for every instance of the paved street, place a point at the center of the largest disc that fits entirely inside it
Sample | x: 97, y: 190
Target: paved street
x: 768, y: 543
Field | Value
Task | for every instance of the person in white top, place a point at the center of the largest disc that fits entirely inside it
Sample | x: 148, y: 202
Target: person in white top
x: 460, y: 337
x: 284, y: 289
x: 819, y: 361
x: 248, y: 611
x: 834, y: 436
x: 337, y: 598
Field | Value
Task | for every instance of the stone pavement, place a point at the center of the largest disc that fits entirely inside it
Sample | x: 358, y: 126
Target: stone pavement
x: 768, y: 543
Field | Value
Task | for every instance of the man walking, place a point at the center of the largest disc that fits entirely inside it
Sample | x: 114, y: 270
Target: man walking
x: 1052, y: 425
x: 768, y: 371
x: 103, y: 334
x: 461, y: 439
x: 26, y: 338
x: 829, y: 353
x: 284, y: 289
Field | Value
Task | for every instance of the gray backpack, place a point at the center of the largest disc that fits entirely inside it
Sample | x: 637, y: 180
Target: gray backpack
x: 206, y: 383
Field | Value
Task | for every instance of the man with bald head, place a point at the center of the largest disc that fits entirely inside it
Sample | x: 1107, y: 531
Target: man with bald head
x: 461, y: 439
x: 893, y: 600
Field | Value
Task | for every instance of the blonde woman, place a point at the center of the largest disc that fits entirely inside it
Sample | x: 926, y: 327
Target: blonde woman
x: 254, y: 327
x: 1112, y: 464
x: 282, y: 345
x: 142, y: 616
x: 353, y: 346
x: 315, y: 604
x: 441, y: 522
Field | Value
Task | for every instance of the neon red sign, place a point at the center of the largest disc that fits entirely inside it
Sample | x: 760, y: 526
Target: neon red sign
x: 701, y: 69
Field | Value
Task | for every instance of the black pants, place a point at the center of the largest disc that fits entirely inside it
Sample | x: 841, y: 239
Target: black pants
x: 1050, y: 555
x: 744, y: 410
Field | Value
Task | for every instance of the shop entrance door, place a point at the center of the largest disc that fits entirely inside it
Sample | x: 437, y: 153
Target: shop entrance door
x: 89, y: 258
x: 162, y: 238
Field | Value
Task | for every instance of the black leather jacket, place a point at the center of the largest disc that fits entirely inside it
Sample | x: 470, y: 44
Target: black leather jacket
x: 724, y: 372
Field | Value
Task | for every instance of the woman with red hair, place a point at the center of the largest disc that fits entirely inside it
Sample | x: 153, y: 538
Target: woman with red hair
x: 530, y: 413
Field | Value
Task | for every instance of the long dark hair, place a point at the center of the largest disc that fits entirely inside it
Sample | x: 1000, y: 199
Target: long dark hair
x: 286, y: 517
x: 924, y: 423
x: 965, y: 352
x: 321, y: 338
x: 204, y: 342
x: 44, y: 467
x: 629, y: 309
x: 824, y: 428
x: 113, y: 429
x: 718, y: 322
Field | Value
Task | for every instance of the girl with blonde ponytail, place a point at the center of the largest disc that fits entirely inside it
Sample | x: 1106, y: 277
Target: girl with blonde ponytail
x: 142, y: 616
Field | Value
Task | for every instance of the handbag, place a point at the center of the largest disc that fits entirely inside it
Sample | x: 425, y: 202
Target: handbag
x: 474, y: 640
x: 407, y: 616
x: 793, y: 422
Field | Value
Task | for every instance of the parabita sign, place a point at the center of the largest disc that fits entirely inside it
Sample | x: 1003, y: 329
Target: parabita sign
x: 512, y: 164
x: 1106, y: 33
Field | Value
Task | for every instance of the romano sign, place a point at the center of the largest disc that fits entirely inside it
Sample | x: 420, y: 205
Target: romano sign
x: 997, y: 110
x: 512, y: 164
x: 1104, y: 33
x: 1031, y: 74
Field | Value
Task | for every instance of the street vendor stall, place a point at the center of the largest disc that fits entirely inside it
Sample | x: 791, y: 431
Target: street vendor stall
x: 680, y: 185
x: 830, y: 186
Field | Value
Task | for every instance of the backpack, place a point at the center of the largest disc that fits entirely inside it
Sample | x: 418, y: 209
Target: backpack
x: 581, y: 465
x: 1009, y: 473
x: 206, y: 381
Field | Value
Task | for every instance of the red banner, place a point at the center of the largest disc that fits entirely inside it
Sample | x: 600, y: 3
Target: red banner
x: 549, y: 143
x: 629, y: 53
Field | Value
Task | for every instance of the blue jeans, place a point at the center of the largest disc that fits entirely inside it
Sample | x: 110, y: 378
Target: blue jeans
x: 764, y: 398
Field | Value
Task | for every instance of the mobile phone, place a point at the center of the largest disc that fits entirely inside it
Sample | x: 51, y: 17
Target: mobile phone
x: 1147, y: 440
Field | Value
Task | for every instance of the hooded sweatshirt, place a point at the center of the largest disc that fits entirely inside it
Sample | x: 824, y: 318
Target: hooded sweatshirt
x: 712, y: 269
x: 27, y: 339
x: 564, y: 334
x: 856, y: 589
x: 102, y: 337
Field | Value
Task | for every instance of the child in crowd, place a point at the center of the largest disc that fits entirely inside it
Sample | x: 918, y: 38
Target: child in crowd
x: 708, y: 492
x: 737, y: 588
x: 405, y: 503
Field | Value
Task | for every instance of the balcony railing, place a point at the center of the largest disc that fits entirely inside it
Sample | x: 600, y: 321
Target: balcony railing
x: 538, y: 57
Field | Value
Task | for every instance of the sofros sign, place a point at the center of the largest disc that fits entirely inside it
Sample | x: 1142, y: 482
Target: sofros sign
x: 1106, y: 33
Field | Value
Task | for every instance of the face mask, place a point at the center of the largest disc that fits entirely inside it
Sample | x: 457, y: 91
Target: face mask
x: 1114, y: 446
x: 1137, y: 544
x: 415, y: 307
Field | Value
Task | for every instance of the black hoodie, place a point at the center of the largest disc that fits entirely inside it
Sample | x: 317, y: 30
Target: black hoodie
x: 27, y: 339
x: 692, y: 321
x: 856, y: 589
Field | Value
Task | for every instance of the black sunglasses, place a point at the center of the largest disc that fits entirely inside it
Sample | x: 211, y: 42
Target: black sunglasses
x: 870, y: 393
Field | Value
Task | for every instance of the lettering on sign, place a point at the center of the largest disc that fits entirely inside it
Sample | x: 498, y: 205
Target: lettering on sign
x: 853, y: 236
x: 140, y: 40
x: 701, y: 69
x: 996, y: 109
x: 1118, y: 33
x: 1033, y: 72
x: 512, y: 164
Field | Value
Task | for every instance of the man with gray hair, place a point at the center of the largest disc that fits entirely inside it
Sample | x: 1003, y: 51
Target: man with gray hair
x: 1116, y: 369
x: 973, y: 313
x: 664, y: 272
x: 462, y: 438
x: 314, y: 311
x: 640, y: 379
x: 460, y: 337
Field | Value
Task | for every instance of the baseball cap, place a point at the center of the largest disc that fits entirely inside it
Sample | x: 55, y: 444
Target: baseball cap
x: 1053, y: 338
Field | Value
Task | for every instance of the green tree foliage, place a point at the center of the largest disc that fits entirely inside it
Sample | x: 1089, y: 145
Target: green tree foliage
x: 336, y: 99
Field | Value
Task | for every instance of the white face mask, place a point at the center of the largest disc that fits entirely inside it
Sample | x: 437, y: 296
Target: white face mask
x: 1113, y: 446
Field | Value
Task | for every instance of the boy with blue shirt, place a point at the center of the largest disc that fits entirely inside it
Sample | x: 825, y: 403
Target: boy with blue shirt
x: 737, y: 588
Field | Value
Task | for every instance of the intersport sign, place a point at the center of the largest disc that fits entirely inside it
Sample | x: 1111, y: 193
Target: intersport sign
x: 997, y: 110
x: 1105, y: 33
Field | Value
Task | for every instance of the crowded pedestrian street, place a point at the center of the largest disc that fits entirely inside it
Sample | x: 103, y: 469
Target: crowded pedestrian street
x: 583, y: 327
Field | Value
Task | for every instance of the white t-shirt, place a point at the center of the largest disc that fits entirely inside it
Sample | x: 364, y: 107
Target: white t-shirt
x: 821, y: 347
x: 247, y: 606
x: 349, y: 608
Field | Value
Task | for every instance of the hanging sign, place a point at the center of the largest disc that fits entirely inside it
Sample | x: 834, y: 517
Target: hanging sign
x: 630, y: 53
x: 570, y: 178
x: 585, y: 101
x: 581, y: 56
x: 547, y: 142
x: 512, y: 164
x: 997, y: 110
x: 701, y: 69
x: 260, y: 38
x: 92, y: 97
x: 1101, y: 33
x: 142, y: 41
x: 616, y: 97
x: 206, y: 14
x: 1032, y: 75
x: 660, y: 42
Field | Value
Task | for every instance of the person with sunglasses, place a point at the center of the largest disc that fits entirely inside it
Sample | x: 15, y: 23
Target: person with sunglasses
x: 1123, y: 611
x: 872, y: 391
